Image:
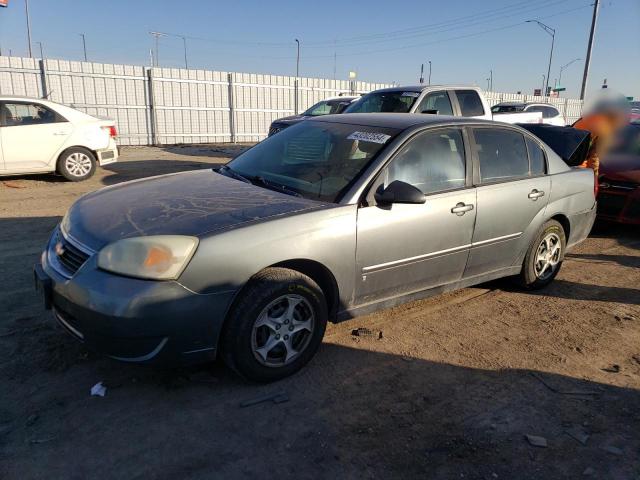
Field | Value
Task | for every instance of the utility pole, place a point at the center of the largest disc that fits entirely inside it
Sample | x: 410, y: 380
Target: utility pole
x: 84, y: 46
x: 552, y: 32
x: 335, y: 54
x: 421, y: 73
x: 41, y: 50
x: 429, y: 72
x: 298, y: 59
x: 491, y: 80
x: 26, y: 9
x: 184, y: 44
x: 542, y: 91
x: 587, y: 62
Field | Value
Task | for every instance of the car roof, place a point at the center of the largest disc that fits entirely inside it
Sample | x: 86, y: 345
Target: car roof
x: 420, y: 88
x: 399, y: 121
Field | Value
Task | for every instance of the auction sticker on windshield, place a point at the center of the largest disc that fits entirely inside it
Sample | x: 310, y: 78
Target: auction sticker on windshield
x: 410, y: 94
x: 369, y: 137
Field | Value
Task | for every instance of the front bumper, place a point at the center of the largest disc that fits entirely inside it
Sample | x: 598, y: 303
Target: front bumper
x: 130, y: 319
x: 619, y: 205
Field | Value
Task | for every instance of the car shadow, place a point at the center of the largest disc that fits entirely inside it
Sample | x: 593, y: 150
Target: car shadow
x: 229, y: 150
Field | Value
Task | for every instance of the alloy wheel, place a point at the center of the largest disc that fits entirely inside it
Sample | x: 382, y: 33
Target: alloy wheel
x: 282, y: 331
x: 548, y: 256
x: 78, y: 164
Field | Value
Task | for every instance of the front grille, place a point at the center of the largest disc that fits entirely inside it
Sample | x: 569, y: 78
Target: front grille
x: 275, y: 128
x: 610, y: 204
x: 69, y: 256
x: 633, y: 210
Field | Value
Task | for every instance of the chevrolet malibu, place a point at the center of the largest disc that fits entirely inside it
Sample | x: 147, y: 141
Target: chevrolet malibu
x: 332, y: 218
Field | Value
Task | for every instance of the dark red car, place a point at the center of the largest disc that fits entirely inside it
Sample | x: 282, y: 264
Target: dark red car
x: 619, y: 197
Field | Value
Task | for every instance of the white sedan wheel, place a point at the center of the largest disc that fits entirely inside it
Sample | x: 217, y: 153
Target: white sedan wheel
x: 78, y: 164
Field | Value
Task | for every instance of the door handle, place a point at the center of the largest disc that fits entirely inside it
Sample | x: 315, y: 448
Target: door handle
x: 535, y: 194
x: 461, y: 208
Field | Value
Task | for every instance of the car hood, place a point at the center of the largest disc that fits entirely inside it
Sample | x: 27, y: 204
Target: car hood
x: 190, y: 203
x: 290, y: 120
x: 621, y: 167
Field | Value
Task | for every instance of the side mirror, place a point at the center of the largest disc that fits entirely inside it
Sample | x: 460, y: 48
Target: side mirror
x: 398, y: 192
x: 430, y: 112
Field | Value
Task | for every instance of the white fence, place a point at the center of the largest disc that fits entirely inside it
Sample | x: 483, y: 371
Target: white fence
x: 170, y: 105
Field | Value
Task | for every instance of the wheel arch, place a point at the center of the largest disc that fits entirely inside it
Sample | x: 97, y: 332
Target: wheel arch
x: 566, y: 224
x: 67, y: 148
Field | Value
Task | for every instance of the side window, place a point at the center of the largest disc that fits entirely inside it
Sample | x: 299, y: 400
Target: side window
x: 536, y: 158
x: 550, y: 112
x: 322, y: 108
x: 436, y: 101
x: 18, y: 114
x: 470, y: 103
x: 502, y: 154
x: 432, y: 162
x: 536, y: 108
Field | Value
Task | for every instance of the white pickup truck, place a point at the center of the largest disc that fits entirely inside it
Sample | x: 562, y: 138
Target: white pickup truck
x: 456, y: 100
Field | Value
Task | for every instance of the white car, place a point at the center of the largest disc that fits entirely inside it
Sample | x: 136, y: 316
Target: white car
x: 39, y: 136
x: 550, y: 114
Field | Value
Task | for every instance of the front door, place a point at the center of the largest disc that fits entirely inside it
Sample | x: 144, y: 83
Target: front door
x: 404, y: 248
x: 513, y: 192
x: 31, y: 135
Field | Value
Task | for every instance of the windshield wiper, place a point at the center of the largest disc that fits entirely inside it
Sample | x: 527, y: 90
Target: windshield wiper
x: 233, y: 174
x: 258, y: 180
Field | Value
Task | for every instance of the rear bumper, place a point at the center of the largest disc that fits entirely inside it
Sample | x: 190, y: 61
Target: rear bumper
x: 581, y: 225
x: 108, y: 155
x: 134, y: 320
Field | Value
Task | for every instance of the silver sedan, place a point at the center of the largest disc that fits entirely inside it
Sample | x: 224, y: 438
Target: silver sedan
x: 332, y: 218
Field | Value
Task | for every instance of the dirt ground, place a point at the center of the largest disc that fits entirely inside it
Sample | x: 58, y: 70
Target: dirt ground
x: 449, y: 390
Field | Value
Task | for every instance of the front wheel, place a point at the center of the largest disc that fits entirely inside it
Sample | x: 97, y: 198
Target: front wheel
x: 544, y: 257
x: 77, y: 164
x: 275, y: 327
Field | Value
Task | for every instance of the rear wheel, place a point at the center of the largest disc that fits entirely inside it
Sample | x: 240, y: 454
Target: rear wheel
x: 544, y: 257
x: 275, y: 327
x: 77, y: 164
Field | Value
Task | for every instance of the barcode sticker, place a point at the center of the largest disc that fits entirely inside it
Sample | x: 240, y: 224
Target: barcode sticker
x: 369, y: 137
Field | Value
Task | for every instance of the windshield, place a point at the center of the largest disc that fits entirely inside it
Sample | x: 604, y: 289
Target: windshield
x: 384, y: 102
x: 507, y: 108
x: 317, y: 160
x: 325, y: 108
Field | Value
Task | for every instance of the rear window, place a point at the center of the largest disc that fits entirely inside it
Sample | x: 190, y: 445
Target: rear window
x: 470, y: 103
x: 502, y: 154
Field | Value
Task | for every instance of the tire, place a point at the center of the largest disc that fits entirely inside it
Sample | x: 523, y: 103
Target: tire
x: 77, y: 164
x: 544, y: 257
x: 275, y: 327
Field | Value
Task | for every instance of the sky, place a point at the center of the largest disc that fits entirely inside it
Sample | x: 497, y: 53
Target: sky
x: 381, y: 41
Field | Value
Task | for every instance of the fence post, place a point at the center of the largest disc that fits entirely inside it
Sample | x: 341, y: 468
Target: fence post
x: 232, y: 114
x: 43, y: 78
x: 152, y: 108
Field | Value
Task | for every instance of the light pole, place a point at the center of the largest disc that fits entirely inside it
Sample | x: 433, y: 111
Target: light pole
x: 551, y: 32
x: 157, y: 35
x: 41, y: 50
x: 84, y: 46
x: 298, y: 59
x: 491, y: 80
x: 429, y: 72
x: 26, y: 9
x: 421, y: 73
x: 542, y: 91
x: 565, y: 66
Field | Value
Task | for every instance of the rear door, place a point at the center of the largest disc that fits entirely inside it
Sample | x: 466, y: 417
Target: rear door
x: 31, y: 135
x: 512, y: 193
x: 471, y: 104
x: 405, y: 248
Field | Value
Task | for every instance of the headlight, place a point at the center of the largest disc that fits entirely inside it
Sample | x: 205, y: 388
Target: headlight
x: 159, y: 257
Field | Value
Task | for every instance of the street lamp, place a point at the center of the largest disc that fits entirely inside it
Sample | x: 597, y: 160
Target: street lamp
x: 429, y: 72
x: 551, y: 32
x: 157, y: 35
x: 298, y: 59
x: 565, y: 66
